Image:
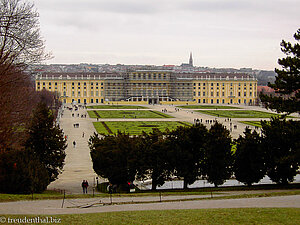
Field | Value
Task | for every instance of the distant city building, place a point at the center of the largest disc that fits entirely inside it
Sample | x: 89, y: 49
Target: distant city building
x: 151, y: 86
x: 191, y: 60
x: 190, y: 64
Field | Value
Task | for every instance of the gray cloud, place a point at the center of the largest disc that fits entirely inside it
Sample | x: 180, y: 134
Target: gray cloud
x: 164, y: 6
x: 138, y: 31
x: 109, y: 6
x: 265, y: 6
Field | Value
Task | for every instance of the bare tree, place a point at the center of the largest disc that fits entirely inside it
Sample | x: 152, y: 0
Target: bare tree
x: 17, y: 100
x: 20, y: 39
x: 20, y: 45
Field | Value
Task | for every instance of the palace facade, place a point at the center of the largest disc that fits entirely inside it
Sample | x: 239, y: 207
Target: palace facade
x: 151, y: 87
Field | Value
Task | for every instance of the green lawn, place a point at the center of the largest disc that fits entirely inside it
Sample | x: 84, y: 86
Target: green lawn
x: 135, y: 128
x: 116, y: 107
x: 251, y: 123
x: 128, y: 114
x: 238, y: 113
x: 207, y: 107
x: 192, y: 216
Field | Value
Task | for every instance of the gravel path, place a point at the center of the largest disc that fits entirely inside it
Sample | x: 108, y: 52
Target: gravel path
x: 53, y: 207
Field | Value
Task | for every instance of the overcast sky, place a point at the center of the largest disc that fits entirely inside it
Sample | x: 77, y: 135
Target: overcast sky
x: 219, y: 33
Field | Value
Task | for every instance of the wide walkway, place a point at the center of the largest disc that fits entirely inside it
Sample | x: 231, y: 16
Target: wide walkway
x: 78, y: 163
x: 52, y: 207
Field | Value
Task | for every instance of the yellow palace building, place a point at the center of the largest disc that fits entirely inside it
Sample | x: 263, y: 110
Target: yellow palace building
x: 151, y: 87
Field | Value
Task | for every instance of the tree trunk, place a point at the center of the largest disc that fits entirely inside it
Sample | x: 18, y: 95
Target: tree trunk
x: 154, y: 184
x: 185, y: 184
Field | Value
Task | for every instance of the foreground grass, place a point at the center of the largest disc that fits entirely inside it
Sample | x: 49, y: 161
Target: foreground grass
x: 116, y: 107
x: 136, y: 128
x: 128, y: 114
x: 238, y: 113
x: 207, y: 107
x: 193, y: 216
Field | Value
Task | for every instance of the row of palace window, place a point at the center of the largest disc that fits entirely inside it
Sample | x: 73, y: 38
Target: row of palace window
x: 84, y: 83
x: 223, y: 84
x: 149, y: 76
x: 73, y: 83
x: 154, y: 92
x: 85, y: 100
x: 212, y: 88
x: 150, y: 92
x: 217, y: 101
x: 84, y: 87
x: 64, y: 88
x: 84, y: 93
x: 164, y: 84
x: 223, y: 94
x: 148, y: 84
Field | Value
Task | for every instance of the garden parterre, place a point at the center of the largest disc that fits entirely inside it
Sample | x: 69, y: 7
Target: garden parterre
x: 136, y: 127
x: 127, y: 114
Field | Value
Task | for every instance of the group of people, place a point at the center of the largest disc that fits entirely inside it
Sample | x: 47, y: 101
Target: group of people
x: 197, y: 121
x: 78, y: 115
x: 84, y: 186
x: 210, y: 121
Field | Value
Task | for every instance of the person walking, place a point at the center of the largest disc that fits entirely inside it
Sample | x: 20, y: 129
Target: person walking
x: 74, y: 144
x: 84, y: 186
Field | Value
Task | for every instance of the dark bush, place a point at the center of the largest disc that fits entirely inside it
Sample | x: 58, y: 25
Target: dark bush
x: 21, y: 172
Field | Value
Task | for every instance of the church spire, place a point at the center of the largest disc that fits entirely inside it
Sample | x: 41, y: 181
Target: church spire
x: 191, y: 60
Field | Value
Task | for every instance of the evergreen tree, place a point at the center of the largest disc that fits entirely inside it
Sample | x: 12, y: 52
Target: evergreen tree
x: 187, y: 152
x: 113, y: 157
x: 153, y: 161
x: 218, y: 158
x: 282, y: 145
x: 46, y: 141
x: 22, y: 172
x: 249, y: 166
x: 287, y: 83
